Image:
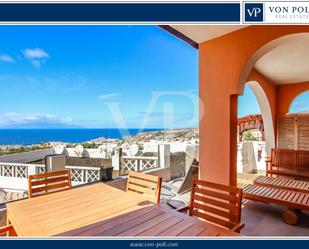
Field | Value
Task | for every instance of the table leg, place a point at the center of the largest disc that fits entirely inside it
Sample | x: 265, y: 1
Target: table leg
x: 11, y: 232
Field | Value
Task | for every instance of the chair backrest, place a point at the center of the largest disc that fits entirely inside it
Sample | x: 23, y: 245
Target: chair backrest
x: 7, y: 230
x: 50, y: 182
x: 290, y: 159
x: 148, y: 185
x: 217, y: 203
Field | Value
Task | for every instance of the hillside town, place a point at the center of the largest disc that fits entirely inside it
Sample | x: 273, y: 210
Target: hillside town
x: 175, y: 136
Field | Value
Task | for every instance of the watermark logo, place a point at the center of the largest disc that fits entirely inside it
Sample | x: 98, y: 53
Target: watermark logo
x: 254, y: 12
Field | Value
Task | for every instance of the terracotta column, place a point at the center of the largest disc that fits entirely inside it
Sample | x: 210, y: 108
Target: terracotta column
x: 218, y: 124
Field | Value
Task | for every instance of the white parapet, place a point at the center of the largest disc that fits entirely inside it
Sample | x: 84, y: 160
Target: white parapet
x: 164, y: 155
x: 15, y: 175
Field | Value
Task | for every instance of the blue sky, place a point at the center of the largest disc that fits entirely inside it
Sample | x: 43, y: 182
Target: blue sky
x: 300, y: 103
x: 85, y: 76
x: 100, y: 77
x: 247, y: 103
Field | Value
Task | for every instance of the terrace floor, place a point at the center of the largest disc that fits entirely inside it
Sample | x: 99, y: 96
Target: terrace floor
x: 265, y: 220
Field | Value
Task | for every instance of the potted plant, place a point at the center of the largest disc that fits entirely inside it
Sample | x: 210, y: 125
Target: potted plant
x: 106, y: 172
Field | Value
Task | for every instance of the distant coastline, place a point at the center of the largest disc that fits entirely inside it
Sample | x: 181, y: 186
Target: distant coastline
x: 27, y: 137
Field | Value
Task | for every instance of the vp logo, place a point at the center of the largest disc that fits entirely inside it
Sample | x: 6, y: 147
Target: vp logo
x: 254, y: 12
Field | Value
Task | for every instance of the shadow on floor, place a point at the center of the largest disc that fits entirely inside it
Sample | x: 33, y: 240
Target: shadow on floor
x: 265, y: 220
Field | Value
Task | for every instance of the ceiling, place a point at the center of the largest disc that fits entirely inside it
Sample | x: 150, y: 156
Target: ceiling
x: 201, y: 33
x: 287, y: 63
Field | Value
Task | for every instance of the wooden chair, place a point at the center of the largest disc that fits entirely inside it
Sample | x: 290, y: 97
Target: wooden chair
x: 50, y: 182
x: 148, y: 185
x: 8, y: 230
x: 217, y: 203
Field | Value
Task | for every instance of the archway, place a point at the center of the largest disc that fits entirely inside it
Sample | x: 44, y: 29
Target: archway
x: 253, y: 148
x: 266, y: 114
x: 258, y: 67
x: 266, y: 48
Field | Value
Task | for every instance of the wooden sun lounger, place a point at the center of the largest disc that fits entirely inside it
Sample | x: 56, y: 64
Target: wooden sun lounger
x: 291, y: 199
x: 185, y: 186
x: 283, y: 183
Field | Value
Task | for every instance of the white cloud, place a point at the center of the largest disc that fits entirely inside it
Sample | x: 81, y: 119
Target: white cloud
x: 15, y: 119
x: 36, y: 63
x: 36, y: 56
x: 35, y: 53
x: 6, y: 58
x: 110, y: 95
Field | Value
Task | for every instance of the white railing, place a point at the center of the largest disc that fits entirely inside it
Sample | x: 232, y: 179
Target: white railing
x: 139, y: 163
x: 84, y: 174
x: 14, y: 178
x: 15, y: 175
x: 20, y: 170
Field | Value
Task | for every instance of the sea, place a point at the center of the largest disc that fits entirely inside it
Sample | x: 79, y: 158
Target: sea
x: 37, y: 136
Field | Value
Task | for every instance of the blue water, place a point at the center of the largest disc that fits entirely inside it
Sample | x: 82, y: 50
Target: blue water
x: 36, y: 136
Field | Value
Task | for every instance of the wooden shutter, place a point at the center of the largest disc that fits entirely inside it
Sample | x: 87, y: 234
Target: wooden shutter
x: 303, y: 132
x: 293, y: 132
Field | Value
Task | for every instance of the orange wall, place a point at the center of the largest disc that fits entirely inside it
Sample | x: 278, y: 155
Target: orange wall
x: 222, y: 63
x: 269, y: 89
x: 287, y: 93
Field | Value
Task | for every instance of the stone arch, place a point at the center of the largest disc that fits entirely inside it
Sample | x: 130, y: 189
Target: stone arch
x: 259, y: 53
x: 266, y: 114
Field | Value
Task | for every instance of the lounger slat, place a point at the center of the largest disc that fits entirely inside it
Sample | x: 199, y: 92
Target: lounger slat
x: 288, y: 184
x: 290, y: 199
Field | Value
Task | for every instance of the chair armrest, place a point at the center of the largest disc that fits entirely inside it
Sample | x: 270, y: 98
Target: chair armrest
x: 183, y: 209
x: 268, y: 160
x: 6, y: 229
x: 237, y: 227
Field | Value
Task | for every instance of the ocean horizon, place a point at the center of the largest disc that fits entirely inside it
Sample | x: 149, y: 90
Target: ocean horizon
x: 68, y: 135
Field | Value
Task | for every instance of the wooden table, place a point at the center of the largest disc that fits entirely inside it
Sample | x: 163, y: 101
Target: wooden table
x: 101, y: 210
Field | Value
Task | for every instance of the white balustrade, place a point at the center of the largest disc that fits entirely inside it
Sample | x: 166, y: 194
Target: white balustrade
x: 83, y: 174
x: 15, y: 175
x: 139, y: 163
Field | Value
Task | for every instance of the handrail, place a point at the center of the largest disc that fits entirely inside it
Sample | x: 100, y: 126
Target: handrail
x: 140, y: 157
x: 21, y: 164
x: 82, y: 167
